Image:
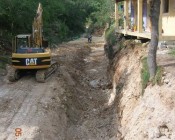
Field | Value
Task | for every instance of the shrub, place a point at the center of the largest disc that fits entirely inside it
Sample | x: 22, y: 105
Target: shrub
x: 110, y: 36
x: 3, y: 61
x: 145, y: 76
x: 158, y: 78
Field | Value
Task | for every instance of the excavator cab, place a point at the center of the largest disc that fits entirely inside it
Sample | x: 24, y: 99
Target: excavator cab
x: 21, y: 42
x: 24, y: 44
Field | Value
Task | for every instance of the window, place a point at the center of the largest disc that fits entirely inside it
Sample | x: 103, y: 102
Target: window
x: 165, y: 6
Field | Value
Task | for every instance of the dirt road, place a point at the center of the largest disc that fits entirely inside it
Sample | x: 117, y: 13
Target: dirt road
x: 71, y: 105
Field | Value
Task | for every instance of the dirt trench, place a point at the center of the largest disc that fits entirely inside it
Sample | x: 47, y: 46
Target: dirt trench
x: 72, y: 105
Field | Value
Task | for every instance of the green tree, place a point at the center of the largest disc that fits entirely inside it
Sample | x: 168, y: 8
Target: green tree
x: 62, y: 19
x: 103, y: 13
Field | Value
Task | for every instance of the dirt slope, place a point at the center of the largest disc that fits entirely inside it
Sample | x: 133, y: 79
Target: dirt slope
x: 148, y: 116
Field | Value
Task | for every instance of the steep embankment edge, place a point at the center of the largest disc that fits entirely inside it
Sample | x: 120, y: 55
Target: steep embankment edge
x: 147, y: 116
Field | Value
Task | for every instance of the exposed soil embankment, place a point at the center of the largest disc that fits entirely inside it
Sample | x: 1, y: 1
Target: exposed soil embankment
x: 150, y: 115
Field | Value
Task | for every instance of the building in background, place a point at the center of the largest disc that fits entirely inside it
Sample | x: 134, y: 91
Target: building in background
x: 132, y: 19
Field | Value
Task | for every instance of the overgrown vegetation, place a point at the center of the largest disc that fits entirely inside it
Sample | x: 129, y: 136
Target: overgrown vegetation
x: 110, y: 36
x: 158, y: 77
x: 3, y: 61
x: 62, y: 20
x: 110, y: 39
x: 103, y: 14
x: 145, y: 75
x: 2, y: 65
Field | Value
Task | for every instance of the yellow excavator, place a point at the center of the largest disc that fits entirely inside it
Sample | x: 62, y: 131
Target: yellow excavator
x: 31, y: 52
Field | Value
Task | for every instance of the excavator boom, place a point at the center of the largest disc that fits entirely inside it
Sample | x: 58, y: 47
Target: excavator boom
x: 37, y: 27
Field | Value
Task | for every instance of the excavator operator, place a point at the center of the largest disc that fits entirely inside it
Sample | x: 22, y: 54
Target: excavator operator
x: 24, y: 45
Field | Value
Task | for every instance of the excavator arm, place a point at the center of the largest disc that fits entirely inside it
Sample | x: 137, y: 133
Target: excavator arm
x: 37, y: 27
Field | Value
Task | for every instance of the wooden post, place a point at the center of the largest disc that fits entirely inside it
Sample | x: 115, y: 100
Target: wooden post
x: 135, y: 11
x: 125, y: 14
x: 160, y: 19
x: 116, y: 14
x: 140, y: 15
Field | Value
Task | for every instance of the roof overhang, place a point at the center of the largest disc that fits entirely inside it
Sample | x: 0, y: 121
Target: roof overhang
x: 23, y: 35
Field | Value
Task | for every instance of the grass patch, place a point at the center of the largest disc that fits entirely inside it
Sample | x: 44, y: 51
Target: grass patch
x: 172, y: 52
x: 145, y: 76
x: 158, y: 78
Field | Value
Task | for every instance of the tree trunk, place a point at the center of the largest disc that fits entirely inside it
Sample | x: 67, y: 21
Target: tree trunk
x: 154, y: 19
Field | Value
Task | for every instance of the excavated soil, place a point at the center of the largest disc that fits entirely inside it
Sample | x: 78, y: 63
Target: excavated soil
x: 71, y: 105
x: 88, y: 99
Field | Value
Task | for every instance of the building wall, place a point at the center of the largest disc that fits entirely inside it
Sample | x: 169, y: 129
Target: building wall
x: 168, y: 19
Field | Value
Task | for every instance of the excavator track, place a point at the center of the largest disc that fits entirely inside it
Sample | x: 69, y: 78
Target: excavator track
x: 13, y: 74
x: 43, y: 74
x: 40, y: 76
